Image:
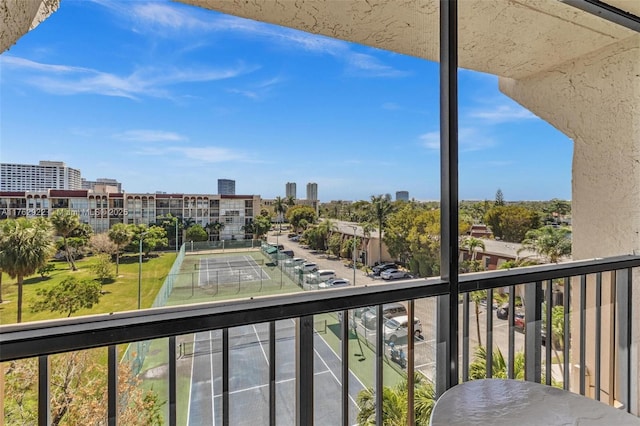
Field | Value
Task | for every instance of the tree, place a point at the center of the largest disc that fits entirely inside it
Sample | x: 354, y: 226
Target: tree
x: 46, y: 270
x: 68, y: 297
x: 280, y: 207
x: 65, y: 222
x: 511, y: 223
x: 103, y: 269
x: 25, y: 247
x: 155, y: 236
x: 499, y: 368
x: 197, y: 233
x: 296, y: 214
x: 499, y: 198
x: 333, y: 245
x: 215, y: 227
x: 261, y: 226
x: 324, y: 229
x: 121, y: 235
x: 395, y: 403
x: 290, y: 201
x: 78, y: 380
x: 380, y: 210
x: 549, y: 242
x: 101, y: 243
x: 471, y: 244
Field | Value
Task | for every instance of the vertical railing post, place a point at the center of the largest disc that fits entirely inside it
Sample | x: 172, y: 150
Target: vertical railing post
x: 411, y: 366
x: 225, y: 377
x: 344, y: 327
x: 379, y: 365
x: 583, y: 334
x: 448, y: 354
x: 623, y: 331
x: 511, y: 331
x: 566, y: 303
x: 465, y: 337
x: 44, y: 392
x: 272, y: 373
x: 112, y: 385
x: 304, y: 371
x: 489, y: 366
x: 532, y: 324
x: 173, y: 381
x: 548, y: 373
x: 598, y: 336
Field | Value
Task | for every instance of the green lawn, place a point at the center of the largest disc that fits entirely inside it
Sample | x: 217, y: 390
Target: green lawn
x: 120, y: 295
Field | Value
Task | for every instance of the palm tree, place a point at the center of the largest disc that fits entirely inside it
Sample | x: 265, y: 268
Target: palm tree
x: 499, y: 368
x: 471, y: 244
x: 549, y: 242
x: 25, y: 247
x: 120, y: 235
x: 215, y: 227
x: 324, y: 229
x: 395, y: 403
x: 65, y: 222
x: 380, y: 210
x: 290, y: 201
x: 280, y: 207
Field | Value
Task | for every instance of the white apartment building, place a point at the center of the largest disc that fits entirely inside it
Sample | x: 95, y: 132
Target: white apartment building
x: 46, y: 175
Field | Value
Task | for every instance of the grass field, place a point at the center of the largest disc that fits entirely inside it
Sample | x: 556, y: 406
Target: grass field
x: 120, y: 295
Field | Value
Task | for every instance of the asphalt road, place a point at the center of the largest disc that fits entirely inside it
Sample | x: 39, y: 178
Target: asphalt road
x: 425, y: 310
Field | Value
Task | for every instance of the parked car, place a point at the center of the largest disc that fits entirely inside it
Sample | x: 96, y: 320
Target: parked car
x: 503, y: 311
x: 518, y: 321
x: 392, y: 274
x: 307, y: 267
x: 319, y: 276
x: 389, y: 310
x: 294, y: 261
x: 334, y: 283
x: 378, y: 269
x: 295, y: 238
x: 397, y: 327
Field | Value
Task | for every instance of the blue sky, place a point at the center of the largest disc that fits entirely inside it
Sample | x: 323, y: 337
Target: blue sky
x: 167, y: 97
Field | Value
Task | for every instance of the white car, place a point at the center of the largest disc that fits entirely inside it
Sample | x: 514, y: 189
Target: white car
x: 307, y: 267
x: 392, y: 274
x: 294, y: 261
x: 320, y: 276
x: 335, y: 282
x: 398, y: 327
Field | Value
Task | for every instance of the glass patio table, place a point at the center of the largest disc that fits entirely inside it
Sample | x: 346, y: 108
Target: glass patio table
x: 507, y: 402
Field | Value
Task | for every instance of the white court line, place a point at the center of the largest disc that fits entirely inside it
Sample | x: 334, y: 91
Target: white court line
x: 279, y: 382
x: 261, y: 345
x: 253, y: 265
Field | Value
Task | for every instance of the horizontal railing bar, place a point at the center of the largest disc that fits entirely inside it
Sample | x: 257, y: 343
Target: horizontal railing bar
x: 527, y: 274
x: 49, y: 337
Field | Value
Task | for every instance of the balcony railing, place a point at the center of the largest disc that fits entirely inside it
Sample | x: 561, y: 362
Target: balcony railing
x: 596, y: 301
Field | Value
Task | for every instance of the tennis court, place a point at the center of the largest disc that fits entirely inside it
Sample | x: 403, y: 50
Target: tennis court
x: 249, y: 377
x: 230, y: 270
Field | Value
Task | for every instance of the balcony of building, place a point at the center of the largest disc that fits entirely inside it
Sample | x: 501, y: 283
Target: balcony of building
x: 578, y: 69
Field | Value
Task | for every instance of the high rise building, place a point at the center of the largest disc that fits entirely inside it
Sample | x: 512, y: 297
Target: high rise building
x: 312, y: 191
x: 226, y: 187
x: 402, y: 195
x: 102, y: 184
x: 45, y: 175
x: 291, y: 190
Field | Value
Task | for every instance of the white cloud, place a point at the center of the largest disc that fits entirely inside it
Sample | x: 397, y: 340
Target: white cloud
x: 210, y: 154
x: 469, y: 139
x: 144, y: 82
x: 150, y: 136
x: 370, y: 66
x: 502, y: 114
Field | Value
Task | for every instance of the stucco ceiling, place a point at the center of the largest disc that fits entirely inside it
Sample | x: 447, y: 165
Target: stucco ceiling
x: 510, y: 38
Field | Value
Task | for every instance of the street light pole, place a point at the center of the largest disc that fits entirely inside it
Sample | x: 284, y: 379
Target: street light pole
x: 354, y: 253
x: 140, y: 267
x: 176, y: 234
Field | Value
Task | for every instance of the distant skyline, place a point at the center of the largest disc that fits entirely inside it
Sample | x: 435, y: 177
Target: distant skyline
x: 167, y: 97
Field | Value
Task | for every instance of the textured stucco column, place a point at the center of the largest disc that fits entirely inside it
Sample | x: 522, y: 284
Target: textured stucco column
x: 595, y: 100
x: 17, y: 17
